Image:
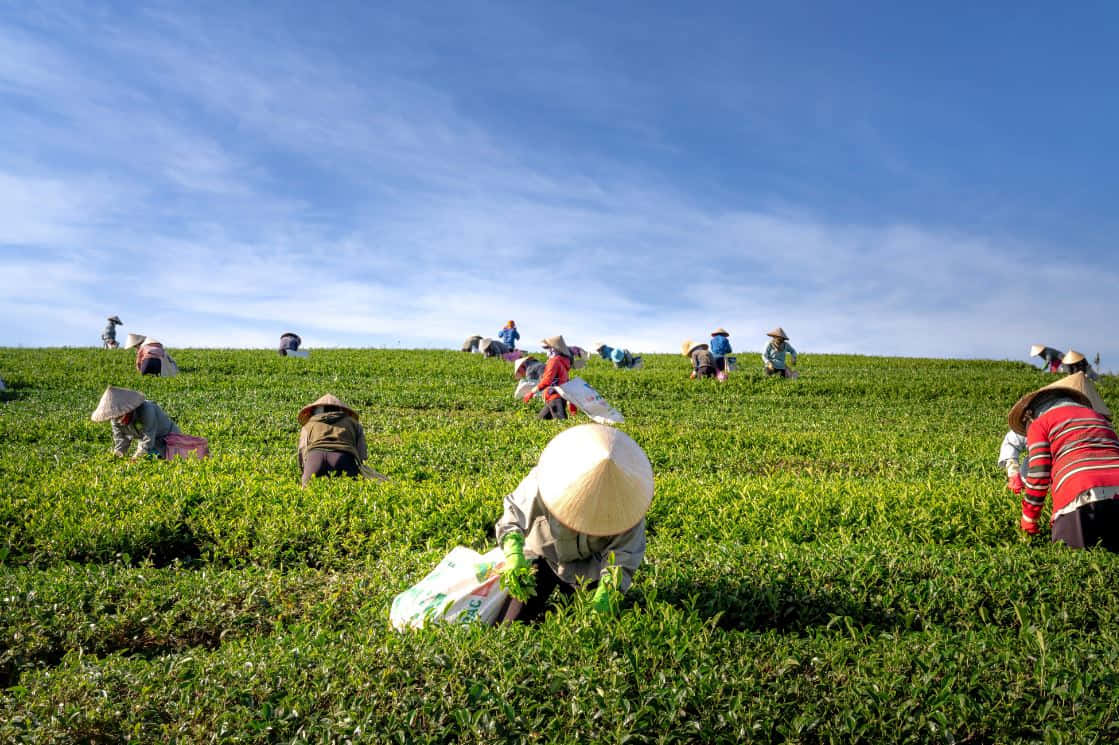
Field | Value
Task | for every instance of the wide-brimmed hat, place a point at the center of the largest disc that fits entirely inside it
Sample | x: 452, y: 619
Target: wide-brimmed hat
x: 695, y: 346
x: 1072, y: 357
x: 685, y: 346
x: 595, y: 480
x: 116, y: 320
x: 1036, y: 349
x: 519, y: 363
x: 777, y: 333
x: 134, y: 340
x: 720, y: 332
x: 1076, y: 386
x: 116, y: 402
x: 557, y: 343
x: 327, y: 400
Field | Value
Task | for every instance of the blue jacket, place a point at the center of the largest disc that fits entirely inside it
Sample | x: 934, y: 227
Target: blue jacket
x: 720, y: 346
x: 510, y: 336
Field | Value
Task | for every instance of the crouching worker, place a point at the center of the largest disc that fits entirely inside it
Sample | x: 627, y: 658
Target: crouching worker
x: 623, y: 359
x: 332, y: 441
x: 703, y: 362
x: 289, y: 342
x: 577, y: 518
x: 135, y: 419
x: 1073, y: 452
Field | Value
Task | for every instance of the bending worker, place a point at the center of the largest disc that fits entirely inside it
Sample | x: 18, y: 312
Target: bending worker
x: 1074, y: 453
x: 556, y: 371
x: 151, y: 357
x: 289, y: 342
x: 720, y: 348
x: 135, y: 419
x: 331, y: 441
x: 528, y: 368
x: 1050, y: 356
x: 774, y: 354
x: 1074, y: 362
x: 109, y: 334
x: 577, y: 518
x: 622, y: 358
x: 703, y: 362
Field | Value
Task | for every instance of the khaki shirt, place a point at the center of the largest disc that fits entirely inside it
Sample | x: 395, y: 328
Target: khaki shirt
x: 574, y: 557
x: 148, y: 428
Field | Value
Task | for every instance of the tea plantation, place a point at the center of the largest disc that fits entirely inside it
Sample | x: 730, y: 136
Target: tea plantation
x: 831, y: 560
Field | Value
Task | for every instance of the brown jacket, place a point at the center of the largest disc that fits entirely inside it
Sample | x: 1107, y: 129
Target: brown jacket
x: 333, y: 430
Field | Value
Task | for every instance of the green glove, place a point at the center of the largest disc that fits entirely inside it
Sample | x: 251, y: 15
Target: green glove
x: 518, y: 576
x: 606, y: 597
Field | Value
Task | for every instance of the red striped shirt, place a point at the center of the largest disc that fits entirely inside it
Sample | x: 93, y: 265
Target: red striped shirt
x: 1073, y: 448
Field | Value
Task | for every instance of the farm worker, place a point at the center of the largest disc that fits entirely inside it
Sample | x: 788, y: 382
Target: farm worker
x: 471, y: 343
x: 703, y: 363
x: 622, y: 358
x: 1051, y: 356
x: 555, y: 373
x: 332, y: 441
x: 492, y: 347
x: 134, y: 419
x: 1074, y: 453
x: 153, y: 359
x: 289, y: 342
x: 774, y: 354
x: 1074, y: 362
x: 720, y: 347
x: 578, y: 517
x: 528, y: 368
x: 509, y: 335
x: 109, y: 335
x: 1010, y: 457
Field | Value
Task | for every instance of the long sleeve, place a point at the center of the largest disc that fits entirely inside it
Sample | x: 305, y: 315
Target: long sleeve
x: 1038, y: 476
x: 362, y: 453
x: 628, y: 551
x: 122, y: 438
x: 792, y: 352
x: 149, y: 426
x: 554, y: 374
x: 1011, y: 450
x: 769, y: 355
x: 519, y: 509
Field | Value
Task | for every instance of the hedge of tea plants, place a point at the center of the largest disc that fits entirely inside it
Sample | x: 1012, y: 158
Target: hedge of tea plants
x: 832, y: 559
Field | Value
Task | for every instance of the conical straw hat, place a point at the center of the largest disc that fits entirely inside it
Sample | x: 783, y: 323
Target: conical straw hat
x: 685, y: 347
x: 1036, y: 349
x: 557, y: 343
x: 720, y: 332
x: 327, y: 400
x: 519, y: 363
x: 116, y: 320
x: 694, y: 347
x: 777, y: 333
x: 1077, y: 386
x: 116, y: 402
x: 595, y: 480
x: 1072, y: 357
x: 134, y: 340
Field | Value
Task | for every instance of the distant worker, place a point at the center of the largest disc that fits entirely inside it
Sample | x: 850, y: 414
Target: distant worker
x: 774, y: 354
x: 1074, y: 453
x: 135, y: 420
x: 471, y: 343
x: 703, y: 362
x: 1074, y: 362
x: 510, y: 335
x: 492, y: 347
x: 289, y: 342
x: 1050, y: 356
x: 622, y: 358
x: 109, y: 334
x: 331, y: 441
x: 1010, y: 460
x: 151, y: 357
x: 528, y: 368
x: 720, y: 347
x: 577, y: 518
x: 556, y: 372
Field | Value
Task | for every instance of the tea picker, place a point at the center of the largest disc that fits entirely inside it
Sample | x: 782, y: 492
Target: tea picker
x: 703, y: 362
x: 720, y: 348
x: 332, y: 441
x: 1049, y: 355
x: 289, y: 345
x: 135, y: 420
x: 1074, y: 454
x: 577, y: 518
x: 151, y: 357
x: 109, y: 334
x: 509, y: 335
x: 774, y: 354
x: 623, y: 359
x: 1075, y: 362
x: 471, y: 343
x: 556, y: 372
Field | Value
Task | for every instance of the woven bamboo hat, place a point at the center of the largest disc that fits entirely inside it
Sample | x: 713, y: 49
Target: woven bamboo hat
x: 519, y: 363
x: 327, y: 400
x: 1072, y: 357
x: 720, y: 332
x: 1076, y: 386
x: 694, y: 347
x: 685, y: 347
x: 116, y: 402
x: 116, y: 320
x: 134, y: 340
x: 777, y: 333
x: 1036, y: 349
x: 595, y: 480
x: 557, y: 343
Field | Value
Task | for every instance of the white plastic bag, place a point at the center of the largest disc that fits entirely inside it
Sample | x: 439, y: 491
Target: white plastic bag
x: 523, y: 388
x: 580, y: 393
x: 464, y: 587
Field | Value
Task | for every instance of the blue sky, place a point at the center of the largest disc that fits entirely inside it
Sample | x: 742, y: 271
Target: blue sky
x: 887, y: 180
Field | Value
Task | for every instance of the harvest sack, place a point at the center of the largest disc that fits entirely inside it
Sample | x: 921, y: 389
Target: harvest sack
x: 513, y: 356
x: 579, y: 392
x: 464, y: 587
x: 297, y: 353
x: 523, y: 389
x: 185, y: 446
x: 731, y: 363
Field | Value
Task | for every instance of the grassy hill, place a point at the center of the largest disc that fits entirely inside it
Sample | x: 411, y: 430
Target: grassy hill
x: 831, y: 559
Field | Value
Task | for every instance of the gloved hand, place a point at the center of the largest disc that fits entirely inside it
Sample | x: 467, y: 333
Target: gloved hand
x: 1028, y: 525
x: 1014, y: 483
x: 517, y: 576
x: 606, y: 596
x: 528, y: 396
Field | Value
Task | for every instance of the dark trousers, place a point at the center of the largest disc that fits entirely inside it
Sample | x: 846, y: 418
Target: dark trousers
x: 151, y: 366
x: 546, y: 584
x: 1092, y: 524
x: 721, y: 364
x: 706, y: 371
x: 783, y: 372
x: 328, y: 463
x: 554, y: 409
